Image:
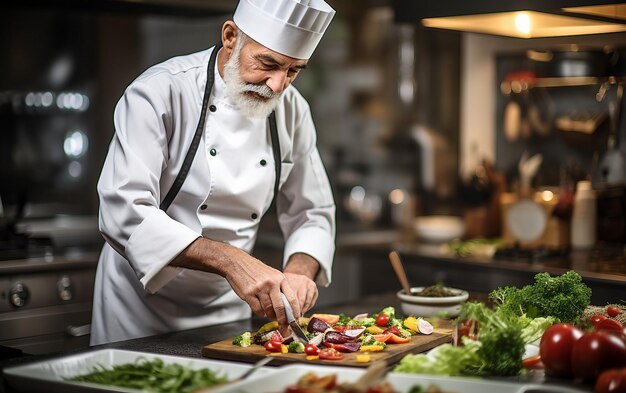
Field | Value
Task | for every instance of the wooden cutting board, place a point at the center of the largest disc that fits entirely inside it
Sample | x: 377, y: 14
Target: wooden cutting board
x: 225, y: 350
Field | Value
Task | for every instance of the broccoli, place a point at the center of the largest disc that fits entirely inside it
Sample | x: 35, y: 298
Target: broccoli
x: 365, y: 322
x: 243, y: 340
x: 564, y: 297
x: 295, y: 347
x: 389, y: 311
x: 371, y: 340
x: 343, y: 320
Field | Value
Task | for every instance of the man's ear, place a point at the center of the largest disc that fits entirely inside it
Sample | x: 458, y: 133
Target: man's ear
x: 229, y: 36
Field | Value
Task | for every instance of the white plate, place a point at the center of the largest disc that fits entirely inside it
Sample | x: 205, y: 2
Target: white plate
x: 288, y: 375
x: 48, y: 376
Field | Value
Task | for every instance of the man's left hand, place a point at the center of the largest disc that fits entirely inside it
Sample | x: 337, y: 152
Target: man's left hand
x: 300, y: 272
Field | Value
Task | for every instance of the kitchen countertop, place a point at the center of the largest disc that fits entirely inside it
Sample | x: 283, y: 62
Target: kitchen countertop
x: 189, y: 343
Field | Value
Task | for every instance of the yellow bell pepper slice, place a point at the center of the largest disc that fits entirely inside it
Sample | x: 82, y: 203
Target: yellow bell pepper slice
x: 374, y: 329
x: 411, y: 324
x: 363, y: 358
x: 371, y: 348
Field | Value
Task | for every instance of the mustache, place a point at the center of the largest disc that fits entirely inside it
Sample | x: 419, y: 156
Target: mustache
x: 262, y: 90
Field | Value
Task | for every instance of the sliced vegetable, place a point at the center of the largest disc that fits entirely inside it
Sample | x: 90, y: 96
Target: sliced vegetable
x: 296, y: 347
x: 330, y: 319
x: 317, y: 325
x: 371, y: 348
x: 424, y: 326
x: 374, y: 330
x: 330, y: 354
x: 533, y: 363
x: 243, y: 340
x: 411, y: 323
x: 364, y: 358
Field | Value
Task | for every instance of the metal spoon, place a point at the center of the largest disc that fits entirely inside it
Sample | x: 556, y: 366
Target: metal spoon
x: 397, y: 267
x: 243, y: 376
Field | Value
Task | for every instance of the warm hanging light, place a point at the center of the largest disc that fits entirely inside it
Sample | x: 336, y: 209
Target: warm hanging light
x: 522, y: 23
x: 525, y: 24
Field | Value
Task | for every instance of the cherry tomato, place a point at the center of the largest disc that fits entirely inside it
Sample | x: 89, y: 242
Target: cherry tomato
x: 556, y: 346
x: 311, y: 349
x: 596, y: 319
x: 596, y: 352
x: 273, y: 345
x: 330, y: 354
x: 382, y: 320
x: 613, y: 311
x: 532, y: 363
x: 609, y: 324
x: 611, y: 381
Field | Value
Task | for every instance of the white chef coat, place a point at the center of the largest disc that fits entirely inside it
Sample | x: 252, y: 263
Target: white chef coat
x: 229, y: 187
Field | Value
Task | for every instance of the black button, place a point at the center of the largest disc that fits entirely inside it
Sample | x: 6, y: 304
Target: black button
x: 254, y: 216
x: 213, y: 152
x: 263, y: 162
x: 212, y: 108
x: 203, y: 207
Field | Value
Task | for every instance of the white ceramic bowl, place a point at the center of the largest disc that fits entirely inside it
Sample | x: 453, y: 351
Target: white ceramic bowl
x: 426, y: 306
x: 439, y: 229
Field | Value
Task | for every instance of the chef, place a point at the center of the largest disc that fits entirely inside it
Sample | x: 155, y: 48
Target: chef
x: 204, y: 145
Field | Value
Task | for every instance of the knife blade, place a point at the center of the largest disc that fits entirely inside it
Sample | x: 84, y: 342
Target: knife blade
x: 295, y: 326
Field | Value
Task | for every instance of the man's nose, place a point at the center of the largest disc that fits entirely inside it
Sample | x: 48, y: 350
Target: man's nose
x: 278, y: 81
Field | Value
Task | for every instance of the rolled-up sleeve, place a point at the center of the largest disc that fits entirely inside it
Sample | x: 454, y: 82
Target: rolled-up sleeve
x: 306, y: 205
x: 129, y: 189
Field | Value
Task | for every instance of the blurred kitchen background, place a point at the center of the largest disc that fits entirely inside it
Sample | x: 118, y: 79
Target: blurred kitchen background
x: 423, y: 109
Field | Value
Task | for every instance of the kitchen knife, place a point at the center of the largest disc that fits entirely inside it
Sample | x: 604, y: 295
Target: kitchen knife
x: 295, y: 326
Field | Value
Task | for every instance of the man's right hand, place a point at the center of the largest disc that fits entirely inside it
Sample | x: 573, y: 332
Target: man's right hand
x: 253, y: 281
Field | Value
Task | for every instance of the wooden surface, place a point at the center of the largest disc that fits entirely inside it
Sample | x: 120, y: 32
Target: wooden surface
x: 225, y: 350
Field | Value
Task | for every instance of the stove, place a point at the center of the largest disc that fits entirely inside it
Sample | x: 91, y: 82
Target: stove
x: 45, y: 295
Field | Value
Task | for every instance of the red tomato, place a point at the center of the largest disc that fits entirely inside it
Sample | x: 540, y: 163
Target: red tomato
x: 556, y: 346
x: 311, y: 349
x: 613, y: 311
x: 609, y: 324
x: 273, y: 345
x: 330, y: 354
x: 596, y: 352
x: 382, y: 320
x: 611, y: 381
x: 532, y: 363
x: 596, y: 319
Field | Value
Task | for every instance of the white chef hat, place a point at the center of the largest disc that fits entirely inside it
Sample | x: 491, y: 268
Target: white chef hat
x: 290, y: 27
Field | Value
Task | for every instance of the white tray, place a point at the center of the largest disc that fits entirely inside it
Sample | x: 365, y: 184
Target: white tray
x: 287, y: 375
x: 48, y: 376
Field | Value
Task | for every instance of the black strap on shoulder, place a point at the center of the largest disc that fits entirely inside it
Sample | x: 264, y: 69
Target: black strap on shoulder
x: 193, y: 148
x: 277, y: 155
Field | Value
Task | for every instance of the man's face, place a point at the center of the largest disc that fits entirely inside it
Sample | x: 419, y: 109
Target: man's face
x: 256, y: 77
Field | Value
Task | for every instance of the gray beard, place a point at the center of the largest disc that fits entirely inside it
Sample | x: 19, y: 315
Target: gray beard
x: 238, y: 91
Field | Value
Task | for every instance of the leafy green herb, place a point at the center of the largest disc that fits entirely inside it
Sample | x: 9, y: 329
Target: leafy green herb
x: 564, y: 297
x: 498, y: 351
x: 152, y: 376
